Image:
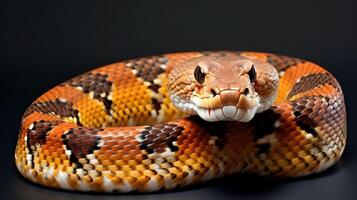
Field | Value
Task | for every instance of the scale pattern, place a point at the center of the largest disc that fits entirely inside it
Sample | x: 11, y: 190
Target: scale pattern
x: 114, y: 129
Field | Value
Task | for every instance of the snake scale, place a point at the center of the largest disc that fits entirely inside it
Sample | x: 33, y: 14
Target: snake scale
x: 133, y: 125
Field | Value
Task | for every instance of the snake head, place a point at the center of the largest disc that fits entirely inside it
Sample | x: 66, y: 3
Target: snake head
x: 223, y: 88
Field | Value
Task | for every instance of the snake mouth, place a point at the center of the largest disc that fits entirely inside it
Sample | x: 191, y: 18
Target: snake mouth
x: 227, y: 113
x: 214, y: 109
x: 243, y: 110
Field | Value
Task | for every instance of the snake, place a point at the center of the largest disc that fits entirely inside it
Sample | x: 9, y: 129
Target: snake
x: 162, y: 122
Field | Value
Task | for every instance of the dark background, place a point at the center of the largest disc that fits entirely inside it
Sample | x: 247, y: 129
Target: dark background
x: 45, y: 42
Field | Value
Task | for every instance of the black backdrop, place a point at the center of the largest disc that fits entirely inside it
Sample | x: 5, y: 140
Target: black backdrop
x: 45, y: 42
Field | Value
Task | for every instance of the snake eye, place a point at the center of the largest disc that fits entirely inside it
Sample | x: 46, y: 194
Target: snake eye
x: 252, y: 74
x: 199, y: 75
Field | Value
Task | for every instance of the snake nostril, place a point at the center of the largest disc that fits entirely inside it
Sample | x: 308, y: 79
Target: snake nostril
x: 246, y: 91
x: 213, y: 92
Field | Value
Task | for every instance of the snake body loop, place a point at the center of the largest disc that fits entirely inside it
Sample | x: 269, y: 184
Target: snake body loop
x: 125, y: 127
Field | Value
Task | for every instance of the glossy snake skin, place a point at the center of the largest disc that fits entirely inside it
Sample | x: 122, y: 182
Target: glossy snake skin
x: 114, y: 129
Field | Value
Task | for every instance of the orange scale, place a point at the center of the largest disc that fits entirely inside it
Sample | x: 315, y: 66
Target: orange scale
x: 49, y: 159
x: 100, y: 156
x: 283, y: 163
x: 110, y: 143
x: 116, y: 180
x: 73, y: 180
x: 116, y: 147
x: 46, y: 150
x: 140, y: 167
x: 194, y: 156
x: 287, y: 169
x: 108, y: 152
x: 66, y: 163
x: 132, y: 163
x: 192, y: 146
x: 86, y: 179
x: 126, y: 158
x: 183, y: 157
x: 134, y: 153
x: 120, y: 153
x: 57, y: 144
x: 293, y: 133
x: 106, y: 161
x: 300, y: 168
x: 53, y: 150
x: 141, y: 181
x: 128, y: 147
x: 299, y: 138
x: 313, y: 164
x: 42, y: 156
x: 111, y: 167
x: 59, y: 149
x: 200, y: 149
x: 126, y: 168
x: 296, y: 149
x: 63, y: 156
x: 58, y: 161
x: 305, y: 142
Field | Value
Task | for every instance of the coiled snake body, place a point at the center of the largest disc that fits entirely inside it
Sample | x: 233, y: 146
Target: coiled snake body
x: 125, y: 127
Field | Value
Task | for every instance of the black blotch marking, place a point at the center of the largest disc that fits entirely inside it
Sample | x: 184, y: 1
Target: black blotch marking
x: 305, y: 107
x: 308, y: 128
x: 154, y: 87
x: 312, y: 81
x: 158, y: 137
x: 145, y: 147
x: 56, y: 107
x: 263, y: 148
x: 81, y: 141
x: 37, y: 135
x: 173, y: 147
x: 263, y: 123
x: 283, y: 62
x: 156, y: 104
x: 96, y: 83
x: 305, y: 123
x: 218, y: 129
x: 148, y: 68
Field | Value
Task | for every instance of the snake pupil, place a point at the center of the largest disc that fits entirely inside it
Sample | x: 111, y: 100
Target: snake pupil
x: 252, y: 74
x: 213, y: 92
x: 199, y: 75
